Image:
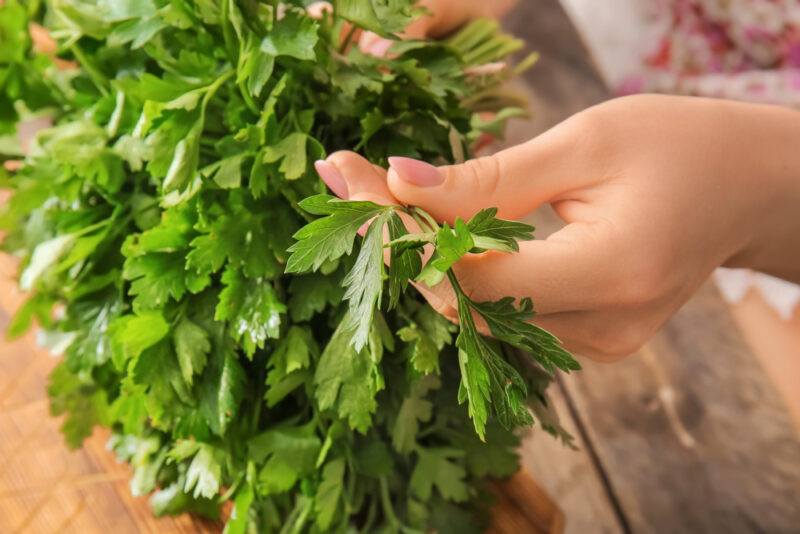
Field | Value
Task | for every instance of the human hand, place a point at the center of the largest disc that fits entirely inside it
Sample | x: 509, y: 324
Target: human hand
x: 655, y: 192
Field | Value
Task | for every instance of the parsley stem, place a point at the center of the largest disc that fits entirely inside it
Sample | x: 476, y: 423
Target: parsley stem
x: 98, y: 78
x: 214, y: 87
x: 226, y: 31
x: 388, y: 509
x: 431, y: 221
x: 248, y: 100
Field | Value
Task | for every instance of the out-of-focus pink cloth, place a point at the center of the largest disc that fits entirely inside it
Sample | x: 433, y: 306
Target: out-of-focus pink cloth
x: 738, y: 49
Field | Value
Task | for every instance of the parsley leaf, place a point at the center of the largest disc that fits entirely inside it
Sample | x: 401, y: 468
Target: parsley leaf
x: 330, y: 237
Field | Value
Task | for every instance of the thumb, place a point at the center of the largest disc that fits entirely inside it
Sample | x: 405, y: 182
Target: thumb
x: 515, y: 181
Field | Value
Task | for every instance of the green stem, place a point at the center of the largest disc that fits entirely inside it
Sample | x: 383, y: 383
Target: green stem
x: 228, y: 494
x: 388, y: 509
x: 97, y: 77
x: 226, y: 32
x: 431, y: 221
x: 214, y: 87
x: 248, y: 100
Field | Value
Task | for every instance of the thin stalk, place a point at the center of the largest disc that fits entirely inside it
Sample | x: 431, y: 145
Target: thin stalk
x: 388, y: 509
x: 97, y: 77
x: 214, y: 87
x: 434, y: 226
x: 226, y: 32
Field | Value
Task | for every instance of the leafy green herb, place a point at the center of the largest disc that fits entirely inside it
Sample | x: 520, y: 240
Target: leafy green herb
x: 221, y: 315
x: 488, y: 382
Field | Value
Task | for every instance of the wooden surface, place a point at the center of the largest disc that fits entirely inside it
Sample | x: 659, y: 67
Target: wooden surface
x: 45, y: 488
x: 689, y: 435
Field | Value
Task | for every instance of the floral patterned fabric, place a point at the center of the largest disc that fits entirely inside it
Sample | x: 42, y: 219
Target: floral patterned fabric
x: 739, y: 49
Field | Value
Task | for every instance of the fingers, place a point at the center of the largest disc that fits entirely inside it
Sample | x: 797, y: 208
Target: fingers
x: 516, y: 180
x: 352, y: 177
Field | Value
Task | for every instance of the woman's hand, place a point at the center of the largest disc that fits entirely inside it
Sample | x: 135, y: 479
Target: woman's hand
x: 655, y: 191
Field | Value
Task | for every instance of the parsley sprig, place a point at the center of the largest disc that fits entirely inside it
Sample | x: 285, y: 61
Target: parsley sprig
x: 489, y: 384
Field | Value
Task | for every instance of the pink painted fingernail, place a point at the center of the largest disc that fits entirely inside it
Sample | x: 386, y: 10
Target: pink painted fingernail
x: 416, y: 172
x: 380, y: 47
x: 367, y: 39
x: 332, y: 178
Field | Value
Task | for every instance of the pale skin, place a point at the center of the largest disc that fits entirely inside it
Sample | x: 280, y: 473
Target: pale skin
x: 655, y: 193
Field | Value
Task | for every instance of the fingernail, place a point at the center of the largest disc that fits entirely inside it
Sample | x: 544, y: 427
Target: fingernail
x: 317, y: 10
x: 380, y: 47
x: 332, y: 178
x: 367, y: 39
x: 416, y: 172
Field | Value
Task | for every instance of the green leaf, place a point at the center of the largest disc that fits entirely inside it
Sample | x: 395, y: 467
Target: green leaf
x: 288, y: 453
x: 414, y: 410
x: 511, y: 324
x: 329, y: 493
x: 221, y: 389
x: 348, y: 380
x: 291, y: 152
x: 252, y: 309
x: 487, y: 229
x: 364, y: 282
x: 405, y: 264
x: 183, y: 167
x: 451, y: 245
x: 374, y: 459
x: 379, y: 16
x: 287, y: 364
x: 192, y: 346
x: 132, y: 334
x: 440, y: 468
x: 311, y: 294
x: 255, y: 66
x: 294, y: 35
x: 227, y: 173
x: 332, y: 236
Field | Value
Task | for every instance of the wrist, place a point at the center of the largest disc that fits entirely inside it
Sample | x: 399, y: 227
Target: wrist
x: 771, y: 184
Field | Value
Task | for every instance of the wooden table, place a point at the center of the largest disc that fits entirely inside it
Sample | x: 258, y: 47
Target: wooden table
x: 688, y: 436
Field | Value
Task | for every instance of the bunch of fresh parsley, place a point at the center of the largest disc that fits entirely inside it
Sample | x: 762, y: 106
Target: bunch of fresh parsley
x: 204, y: 291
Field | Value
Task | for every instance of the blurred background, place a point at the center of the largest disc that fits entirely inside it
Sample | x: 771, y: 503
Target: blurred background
x: 697, y: 433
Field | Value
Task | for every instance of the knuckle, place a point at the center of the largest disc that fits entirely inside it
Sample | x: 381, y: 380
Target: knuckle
x: 587, y: 131
x: 480, y: 175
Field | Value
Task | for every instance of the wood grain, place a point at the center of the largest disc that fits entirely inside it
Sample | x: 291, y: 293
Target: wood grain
x: 692, y: 432
x: 44, y: 487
